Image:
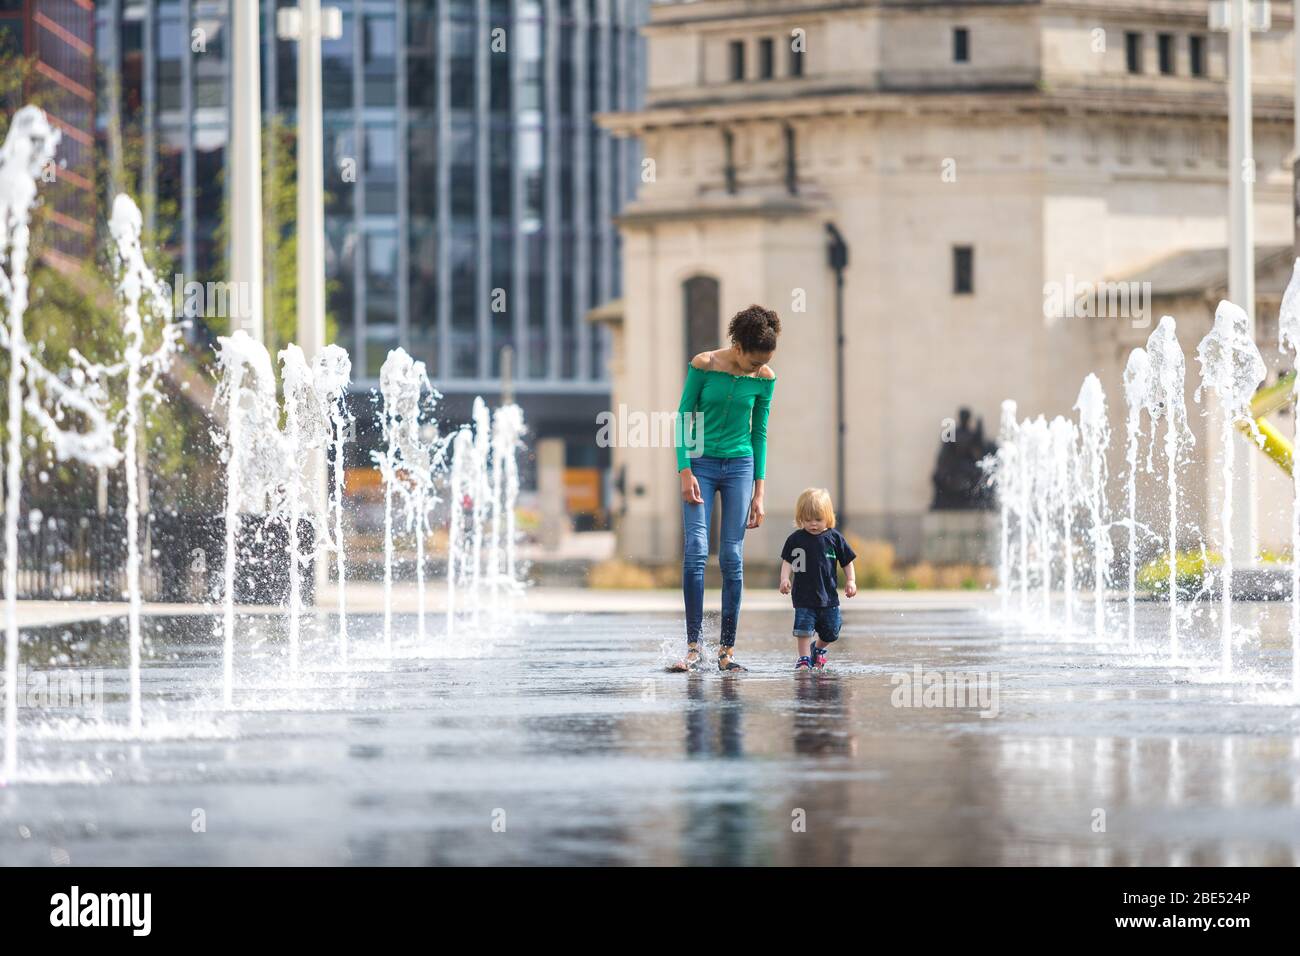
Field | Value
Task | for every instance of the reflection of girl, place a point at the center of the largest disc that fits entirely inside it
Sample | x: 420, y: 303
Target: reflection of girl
x: 724, y: 410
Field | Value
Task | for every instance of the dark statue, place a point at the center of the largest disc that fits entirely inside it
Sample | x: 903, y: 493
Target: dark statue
x: 960, y: 484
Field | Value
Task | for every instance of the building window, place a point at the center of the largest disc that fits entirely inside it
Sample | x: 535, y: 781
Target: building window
x: 766, y: 58
x: 963, y: 270
x: 796, y: 56
x: 1196, y: 55
x: 960, y: 45
x: 700, y: 303
x: 791, y: 161
x: 737, y: 60
x: 729, y: 160
x: 1133, y: 52
x: 1165, y: 46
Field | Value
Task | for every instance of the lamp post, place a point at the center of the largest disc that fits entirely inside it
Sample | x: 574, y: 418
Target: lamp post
x: 1240, y: 18
x: 1295, y: 123
x: 837, y: 257
x: 309, y: 23
x: 246, y: 166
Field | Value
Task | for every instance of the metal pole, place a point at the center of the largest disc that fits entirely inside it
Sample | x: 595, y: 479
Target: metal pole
x: 1295, y: 159
x: 246, y: 168
x: 311, y: 223
x: 837, y: 253
x: 311, y: 185
x: 1241, y: 252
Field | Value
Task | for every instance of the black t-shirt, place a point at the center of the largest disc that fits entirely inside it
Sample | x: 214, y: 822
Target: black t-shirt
x: 813, y: 558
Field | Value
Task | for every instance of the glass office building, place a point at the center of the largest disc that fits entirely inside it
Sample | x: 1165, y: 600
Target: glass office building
x: 57, y: 39
x: 469, y: 196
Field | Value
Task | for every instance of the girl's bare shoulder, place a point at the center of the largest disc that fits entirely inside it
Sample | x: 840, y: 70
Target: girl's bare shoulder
x: 703, y: 361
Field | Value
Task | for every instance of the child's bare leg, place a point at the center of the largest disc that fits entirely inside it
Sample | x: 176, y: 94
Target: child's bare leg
x: 804, y: 643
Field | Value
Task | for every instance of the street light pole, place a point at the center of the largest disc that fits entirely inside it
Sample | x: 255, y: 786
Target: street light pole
x: 837, y: 257
x: 1240, y: 18
x: 308, y: 23
x: 246, y: 167
x: 1295, y: 124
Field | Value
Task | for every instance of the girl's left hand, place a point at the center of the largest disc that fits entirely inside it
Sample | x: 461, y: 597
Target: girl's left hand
x: 756, y: 512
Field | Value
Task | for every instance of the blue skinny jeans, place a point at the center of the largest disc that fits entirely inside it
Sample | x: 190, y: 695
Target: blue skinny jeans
x: 733, y: 478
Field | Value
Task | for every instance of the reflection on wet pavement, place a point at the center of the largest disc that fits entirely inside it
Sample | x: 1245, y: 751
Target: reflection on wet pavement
x: 566, y: 742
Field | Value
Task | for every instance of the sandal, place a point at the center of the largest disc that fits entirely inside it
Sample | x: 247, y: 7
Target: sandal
x: 726, y: 661
x: 690, y: 663
x: 803, y: 664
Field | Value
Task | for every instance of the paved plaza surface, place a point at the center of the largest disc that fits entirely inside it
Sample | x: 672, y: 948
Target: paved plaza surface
x: 557, y: 736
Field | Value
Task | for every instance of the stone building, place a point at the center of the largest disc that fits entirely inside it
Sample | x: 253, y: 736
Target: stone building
x: 982, y: 162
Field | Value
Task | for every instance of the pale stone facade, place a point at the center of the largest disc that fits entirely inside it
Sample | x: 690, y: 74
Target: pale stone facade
x: 1043, y: 153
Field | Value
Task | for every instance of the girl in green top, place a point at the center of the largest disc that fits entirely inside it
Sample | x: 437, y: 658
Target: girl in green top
x: 722, y: 449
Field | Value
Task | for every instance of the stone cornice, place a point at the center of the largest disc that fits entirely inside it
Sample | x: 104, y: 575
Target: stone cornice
x: 643, y: 214
x: 741, y: 12
x: 1270, y: 107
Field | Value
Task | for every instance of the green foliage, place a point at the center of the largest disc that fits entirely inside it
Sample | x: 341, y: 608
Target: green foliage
x: 75, y: 306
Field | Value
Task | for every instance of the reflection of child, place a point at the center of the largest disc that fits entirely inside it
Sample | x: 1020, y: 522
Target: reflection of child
x: 811, y: 554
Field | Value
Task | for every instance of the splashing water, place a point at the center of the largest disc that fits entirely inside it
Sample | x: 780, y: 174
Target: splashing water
x: 331, y: 376
x: 1137, y: 392
x: 254, y: 457
x: 1288, y: 327
x: 404, y: 461
x: 507, y: 438
x: 482, y: 437
x: 483, y: 488
x: 1065, y: 440
x: 144, y: 303
x: 74, y: 411
x: 1094, y: 439
x: 1024, y: 486
x: 1039, y: 445
x: 27, y: 152
x: 306, y: 429
x: 1003, y: 474
x: 1168, y: 370
x: 461, y: 463
x: 1233, y: 369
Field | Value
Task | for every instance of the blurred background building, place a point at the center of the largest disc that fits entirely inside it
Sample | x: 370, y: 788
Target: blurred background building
x: 470, y: 197
x: 57, y: 37
x: 975, y: 161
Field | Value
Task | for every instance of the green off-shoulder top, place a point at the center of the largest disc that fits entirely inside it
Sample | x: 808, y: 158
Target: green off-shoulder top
x: 730, y: 413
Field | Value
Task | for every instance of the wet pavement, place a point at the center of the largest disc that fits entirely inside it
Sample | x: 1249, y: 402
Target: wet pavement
x: 936, y: 736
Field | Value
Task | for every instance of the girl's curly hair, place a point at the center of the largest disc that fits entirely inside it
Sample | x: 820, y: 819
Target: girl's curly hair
x: 755, y: 329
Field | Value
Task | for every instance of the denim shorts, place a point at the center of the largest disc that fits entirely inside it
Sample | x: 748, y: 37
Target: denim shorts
x: 823, y: 621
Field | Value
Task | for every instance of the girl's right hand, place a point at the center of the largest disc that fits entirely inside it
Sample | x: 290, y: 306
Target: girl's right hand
x: 691, y: 488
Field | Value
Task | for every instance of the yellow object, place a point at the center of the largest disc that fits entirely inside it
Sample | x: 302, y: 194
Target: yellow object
x: 1275, y: 445
x: 1267, y: 400
x: 1272, y: 397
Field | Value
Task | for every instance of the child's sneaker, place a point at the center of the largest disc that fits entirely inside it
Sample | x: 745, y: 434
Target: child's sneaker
x: 818, y: 658
x: 803, y: 664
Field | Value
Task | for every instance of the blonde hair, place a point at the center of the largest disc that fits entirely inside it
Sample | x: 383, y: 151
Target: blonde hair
x: 814, y: 504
